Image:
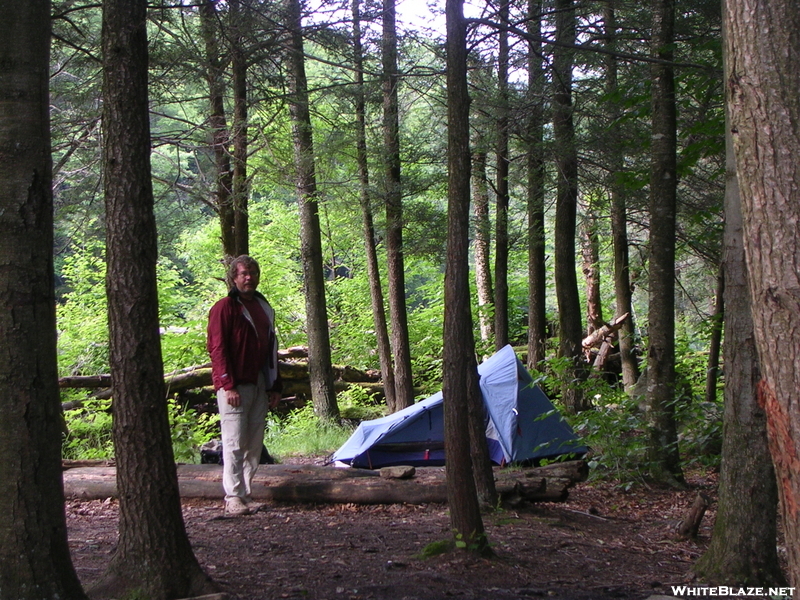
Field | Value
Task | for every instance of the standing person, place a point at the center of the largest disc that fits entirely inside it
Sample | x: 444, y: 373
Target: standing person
x: 244, y: 365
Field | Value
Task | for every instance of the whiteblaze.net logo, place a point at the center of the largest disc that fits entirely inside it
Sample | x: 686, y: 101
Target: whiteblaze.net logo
x: 732, y: 592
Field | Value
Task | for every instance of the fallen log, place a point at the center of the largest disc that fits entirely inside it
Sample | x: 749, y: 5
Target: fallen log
x: 295, y: 376
x: 597, y: 336
x: 317, y: 484
x: 85, y: 381
x: 200, y: 376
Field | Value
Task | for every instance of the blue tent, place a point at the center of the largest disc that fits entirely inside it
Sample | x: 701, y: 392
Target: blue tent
x: 522, y: 424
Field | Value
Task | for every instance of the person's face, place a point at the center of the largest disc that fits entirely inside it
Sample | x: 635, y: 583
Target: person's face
x: 246, y: 279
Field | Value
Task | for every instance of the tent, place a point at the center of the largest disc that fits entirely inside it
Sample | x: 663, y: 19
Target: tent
x: 522, y: 424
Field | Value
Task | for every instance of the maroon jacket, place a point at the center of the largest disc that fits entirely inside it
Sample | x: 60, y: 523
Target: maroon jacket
x: 232, y: 343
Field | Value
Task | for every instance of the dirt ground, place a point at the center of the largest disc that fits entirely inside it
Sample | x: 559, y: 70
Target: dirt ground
x: 603, y: 543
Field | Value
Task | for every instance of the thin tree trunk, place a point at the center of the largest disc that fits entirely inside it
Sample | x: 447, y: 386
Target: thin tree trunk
x: 241, y: 186
x: 373, y: 270
x: 460, y: 368
x: 153, y: 554
x: 320, y: 371
x: 715, y: 344
x: 619, y: 212
x: 591, y: 271
x: 743, y: 546
x: 34, y: 556
x: 502, y: 159
x: 537, y: 278
x: 569, y: 309
x: 220, y: 138
x: 763, y: 48
x: 482, y: 243
x: 404, y: 385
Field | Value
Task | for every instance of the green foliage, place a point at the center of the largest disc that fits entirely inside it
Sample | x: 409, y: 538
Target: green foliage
x: 89, y: 431
x: 616, y: 429
x: 474, y: 543
x: 81, y: 315
x: 301, y: 433
x: 189, y: 431
x: 616, y: 434
x: 356, y: 405
x: 699, y: 421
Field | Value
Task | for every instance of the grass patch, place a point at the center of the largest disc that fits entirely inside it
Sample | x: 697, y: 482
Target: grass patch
x: 302, y: 434
x: 437, y: 548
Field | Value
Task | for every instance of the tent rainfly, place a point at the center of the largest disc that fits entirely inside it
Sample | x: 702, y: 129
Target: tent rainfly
x: 522, y: 424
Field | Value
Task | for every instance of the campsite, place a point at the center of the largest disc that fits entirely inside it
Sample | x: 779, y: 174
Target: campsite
x: 377, y: 525
x: 602, y: 543
x: 403, y: 188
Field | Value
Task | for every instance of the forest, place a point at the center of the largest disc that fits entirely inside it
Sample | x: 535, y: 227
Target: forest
x: 190, y: 204
x: 604, y: 185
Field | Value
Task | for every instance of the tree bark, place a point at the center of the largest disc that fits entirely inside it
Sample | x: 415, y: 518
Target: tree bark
x: 34, y: 556
x: 663, y: 448
x: 715, y: 344
x: 623, y: 292
x: 240, y: 182
x: 383, y: 342
x: 460, y: 385
x: 501, y: 338
x: 569, y: 309
x: 762, y: 48
x: 482, y: 242
x: 743, y: 543
x: 220, y: 138
x: 319, y: 345
x: 537, y: 275
x: 404, y: 385
x: 591, y: 271
x: 153, y: 555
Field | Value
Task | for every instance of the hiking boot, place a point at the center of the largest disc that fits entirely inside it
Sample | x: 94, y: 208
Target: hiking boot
x: 253, y: 505
x: 235, y: 507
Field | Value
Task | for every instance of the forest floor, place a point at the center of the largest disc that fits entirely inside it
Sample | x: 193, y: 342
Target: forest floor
x: 602, y: 543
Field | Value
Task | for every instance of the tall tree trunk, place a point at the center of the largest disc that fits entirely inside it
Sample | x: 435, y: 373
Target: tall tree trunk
x: 623, y: 293
x: 34, y: 556
x: 743, y: 545
x: 715, y: 344
x: 569, y: 308
x: 763, y: 49
x: 241, y: 187
x: 153, y: 554
x: 482, y: 243
x: 591, y: 271
x: 460, y: 369
x: 219, y: 128
x: 663, y: 449
x: 502, y: 159
x: 373, y: 270
x: 404, y: 385
x: 320, y: 370
x: 537, y: 277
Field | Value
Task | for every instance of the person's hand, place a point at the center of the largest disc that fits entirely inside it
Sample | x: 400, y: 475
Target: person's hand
x: 274, y: 398
x: 233, y: 397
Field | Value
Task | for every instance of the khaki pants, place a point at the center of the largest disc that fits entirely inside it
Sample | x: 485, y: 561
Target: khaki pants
x: 242, y: 437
